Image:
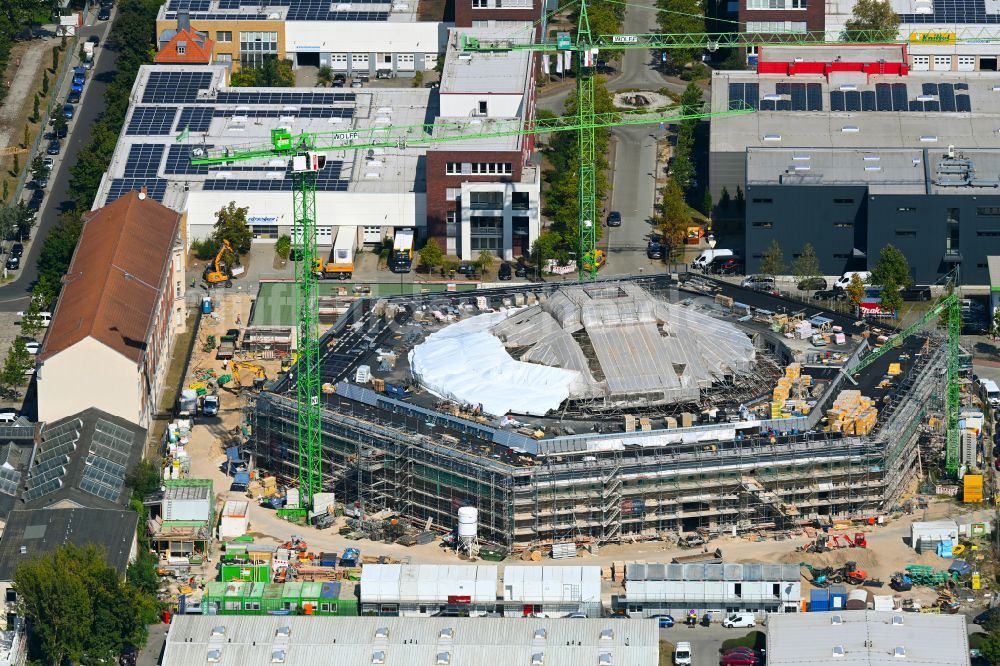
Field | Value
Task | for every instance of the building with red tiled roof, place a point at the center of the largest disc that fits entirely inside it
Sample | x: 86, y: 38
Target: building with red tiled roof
x: 122, y: 303
x: 185, y: 45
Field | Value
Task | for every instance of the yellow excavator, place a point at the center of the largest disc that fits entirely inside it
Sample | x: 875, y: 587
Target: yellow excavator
x: 258, y: 372
x: 219, y: 272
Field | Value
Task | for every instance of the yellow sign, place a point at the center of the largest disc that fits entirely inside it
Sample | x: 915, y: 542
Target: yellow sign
x: 932, y: 38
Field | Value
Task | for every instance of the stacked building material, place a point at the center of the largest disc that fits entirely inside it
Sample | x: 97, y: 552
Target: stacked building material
x: 789, y: 392
x: 852, y: 413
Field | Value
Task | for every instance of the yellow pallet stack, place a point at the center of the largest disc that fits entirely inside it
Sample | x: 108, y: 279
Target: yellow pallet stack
x: 895, y: 369
x: 852, y: 413
x: 972, y: 488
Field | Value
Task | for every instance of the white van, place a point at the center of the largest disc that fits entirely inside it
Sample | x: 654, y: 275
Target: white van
x: 991, y: 392
x: 45, y: 318
x: 846, y: 278
x: 682, y: 654
x: 706, y: 257
x: 739, y: 621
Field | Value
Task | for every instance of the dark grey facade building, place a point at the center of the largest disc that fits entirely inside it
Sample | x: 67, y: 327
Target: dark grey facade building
x: 941, y: 207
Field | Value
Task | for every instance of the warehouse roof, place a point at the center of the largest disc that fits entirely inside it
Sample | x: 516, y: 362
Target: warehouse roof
x: 427, y: 582
x: 919, y: 110
x: 33, y: 532
x: 304, y: 641
x: 113, y: 284
x: 865, y: 638
x: 887, y: 171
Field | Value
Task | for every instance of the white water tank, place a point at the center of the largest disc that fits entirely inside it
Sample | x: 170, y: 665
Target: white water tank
x: 468, y: 519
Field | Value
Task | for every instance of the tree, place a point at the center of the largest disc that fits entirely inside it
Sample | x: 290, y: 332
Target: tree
x: 77, y: 607
x: 806, y: 265
x: 990, y: 647
x: 724, y: 199
x: 31, y: 322
x: 35, y: 112
x: 544, y: 248
x: 283, y: 247
x: 874, y: 17
x: 706, y: 203
x: 231, y: 224
x: 892, y: 301
x: 485, y: 260
x: 675, y: 217
x: 431, y: 255
x: 692, y: 101
x: 273, y: 73
x: 38, y: 168
x: 892, y: 264
x: 324, y: 76
x: 60, y: 122
x: 45, y: 83
x: 17, y: 363
x: 9, y: 217
x: 15, y: 168
x: 773, y: 261
x: 6, y: 192
x: 676, y: 17
x: 55, y: 58
x: 418, y: 79
x: 26, y: 141
x: 856, y: 290
x: 741, y: 202
x: 995, y: 324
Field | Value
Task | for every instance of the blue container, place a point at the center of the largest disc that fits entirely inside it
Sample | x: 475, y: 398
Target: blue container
x: 328, y: 559
x: 838, y: 597
x: 819, y: 600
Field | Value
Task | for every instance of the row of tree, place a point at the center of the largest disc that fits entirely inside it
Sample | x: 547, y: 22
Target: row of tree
x: 674, y: 215
x: 273, y: 73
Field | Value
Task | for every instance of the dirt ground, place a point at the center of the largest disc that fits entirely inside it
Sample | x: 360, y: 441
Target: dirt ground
x: 24, y: 73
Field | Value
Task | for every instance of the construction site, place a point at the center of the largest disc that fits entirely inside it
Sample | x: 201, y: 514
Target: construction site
x: 615, y: 411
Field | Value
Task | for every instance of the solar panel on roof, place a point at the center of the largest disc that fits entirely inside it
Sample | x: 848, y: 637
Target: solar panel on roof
x: 179, y: 161
x: 752, y: 95
x: 48, y: 433
x: 961, y: 86
x: 963, y: 103
x: 899, y: 97
x: 8, y: 487
x: 932, y: 106
x: 929, y: 89
x: 783, y: 88
x: 798, y: 97
x: 946, y: 92
x: 736, y: 92
x: 52, y: 463
x: 105, y: 465
x: 155, y: 187
x: 191, y: 5
x: 174, y: 87
x: 43, y: 490
x: 852, y: 100
x: 151, y: 120
x: 916, y: 106
x: 143, y: 160
x: 868, y: 100
x: 10, y: 474
x: 46, y: 476
x: 814, y: 97
x: 195, y: 119
x: 767, y: 105
x: 89, y: 485
x: 836, y: 100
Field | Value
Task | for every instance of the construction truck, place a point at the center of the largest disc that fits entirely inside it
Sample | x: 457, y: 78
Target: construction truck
x: 401, y: 259
x: 221, y: 272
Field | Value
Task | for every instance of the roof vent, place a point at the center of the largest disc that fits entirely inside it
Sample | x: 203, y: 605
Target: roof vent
x: 925, y: 98
x: 218, y: 630
x: 541, y: 634
x: 278, y: 655
x: 772, y: 98
x: 772, y: 137
x: 537, y: 659
x: 607, y: 634
x: 850, y: 129
x: 897, y: 620
x: 838, y: 651
x: 801, y: 158
x: 848, y: 87
x: 214, y: 656
x: 929, y: 138
x: 443, y: 659
x: 604, y: 659
x: 899, y: 652
x: 382, y: 632
x: 446, y: 634
x: 282, y: 632
x: 872, y: 167
x: 836, y: 619
x: 378, y: 657
x: 24, y: 550
x: 872, y: 158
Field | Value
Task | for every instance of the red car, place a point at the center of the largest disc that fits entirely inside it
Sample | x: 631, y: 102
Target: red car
x: 740, y: 656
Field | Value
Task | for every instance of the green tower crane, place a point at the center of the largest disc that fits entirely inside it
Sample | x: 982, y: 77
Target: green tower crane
x: 307, y: 152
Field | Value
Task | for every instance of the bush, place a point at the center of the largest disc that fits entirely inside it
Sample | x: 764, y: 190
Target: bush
x: 207, y: 248
x: 283, y: 247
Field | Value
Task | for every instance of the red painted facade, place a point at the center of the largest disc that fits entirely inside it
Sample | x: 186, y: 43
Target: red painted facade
x: 783, y: 66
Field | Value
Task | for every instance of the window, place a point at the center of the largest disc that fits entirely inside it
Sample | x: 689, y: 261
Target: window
x: 232, y: 605
x: 452, y: 228
x: 264, y: 230
x: 224, y: 59
x: 452, y: 193
x: 843, y: 201
x: 182, y: 48
x: 224, y: 36
x: 988, y: 211
x: 520, y: 200
x: 765, y: 4
x: 843, y: 225
x: 490, y: 168
x: 763, y: 200
x: 906, y: 233
x: 482, y: 107
x: 988, y: 234
x: 252, y: 605
x: 385, y: 58
x: 776, y: 26
x: 256, y: 45
x: 905, y: 209
x: 11, y: 595
x: 798, y: 4
x: 486, y: 200
x: 764, y: 225
x: 453, y: 169
x: 480, y: 4
x: 486, y: 225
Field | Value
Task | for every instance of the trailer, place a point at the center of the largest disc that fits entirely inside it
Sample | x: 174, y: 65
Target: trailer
x: 709, y: 557
x: 341, y: 266
x: 401, y: 260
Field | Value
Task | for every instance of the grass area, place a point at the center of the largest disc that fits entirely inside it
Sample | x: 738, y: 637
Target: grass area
x: 172, y: 384
x: 755, y: 639
x: 666, y: 653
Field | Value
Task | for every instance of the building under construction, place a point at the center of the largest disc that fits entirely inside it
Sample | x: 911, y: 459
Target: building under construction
x: 714, y: 432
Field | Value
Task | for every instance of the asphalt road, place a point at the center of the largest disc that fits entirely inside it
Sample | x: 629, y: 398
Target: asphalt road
x: 14, y: 295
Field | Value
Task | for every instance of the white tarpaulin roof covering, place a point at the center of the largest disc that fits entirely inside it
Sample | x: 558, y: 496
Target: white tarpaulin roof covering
x: 465, y: 363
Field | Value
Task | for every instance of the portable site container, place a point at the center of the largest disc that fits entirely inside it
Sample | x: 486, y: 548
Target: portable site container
x: 819, y: 600
x: 245, y: 571
x: 290, y: 596
x: 332, y: 603
x: 838, y: 597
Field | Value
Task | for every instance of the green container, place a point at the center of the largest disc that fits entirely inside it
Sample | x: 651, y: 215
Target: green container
x: 254, y: 573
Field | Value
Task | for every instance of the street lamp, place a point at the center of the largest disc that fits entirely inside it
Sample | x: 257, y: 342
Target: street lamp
x: 711, y: 241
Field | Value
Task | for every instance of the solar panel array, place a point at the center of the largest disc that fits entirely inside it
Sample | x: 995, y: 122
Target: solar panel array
x: 215, y: 16
x: 17, y: 432
x: 954, y: 11
x: 898, y: 97
x: 179, y: 162
x: 741, y: 94
x: 191, y: 5
x: 9, y: 480
x: 143, y: 160
x: 151, y: 120
x: 195, y: 119
x: 175, y: 87
x: 107, y: 461
x: 50, y: 465
x: 257, y: 97
x: 327, y: 180
x: 155, y: 187
x: 801, y: 97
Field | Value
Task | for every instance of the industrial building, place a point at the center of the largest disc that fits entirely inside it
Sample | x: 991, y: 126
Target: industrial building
x: 467, y: 194
x: 595, y: 469
x: 865, y: 638
x: 112, y: 334
x: 304, y: 641
x: 879, y: 153
x: 470, y: 591
x: 655, y: 589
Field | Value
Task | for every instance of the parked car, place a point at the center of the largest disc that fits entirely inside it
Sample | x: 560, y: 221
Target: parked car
x: 69, y: 111
x: 916, y: 293
x: 739, y: 620
x: 13, y: 263
x: 521, y: 271
x: 985, y: 615
x: 765, y: 282
x: 845, y: 279
x: 16, y: 250
x: 76, y: 86
x: 682, y: 653
x: 104, y: 14
x: 812, y: 284
x: 730, y: 266
x: 614, y: 219
x: 95, y: 40
x: 62, y: 132
x: 73, y: 97
x: 356, y: 84
x: 41, y: 183
x: 54, y: 147
x: 739, y: 659
x: 577, y: 616
x: 664, y: 621
x: 340, y: 78
x: 466, y: 269
x: 383, y: 74
x: 654, y: 250
x: 35, y: 202
x: 504, y: 272
x: 33, y: 347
